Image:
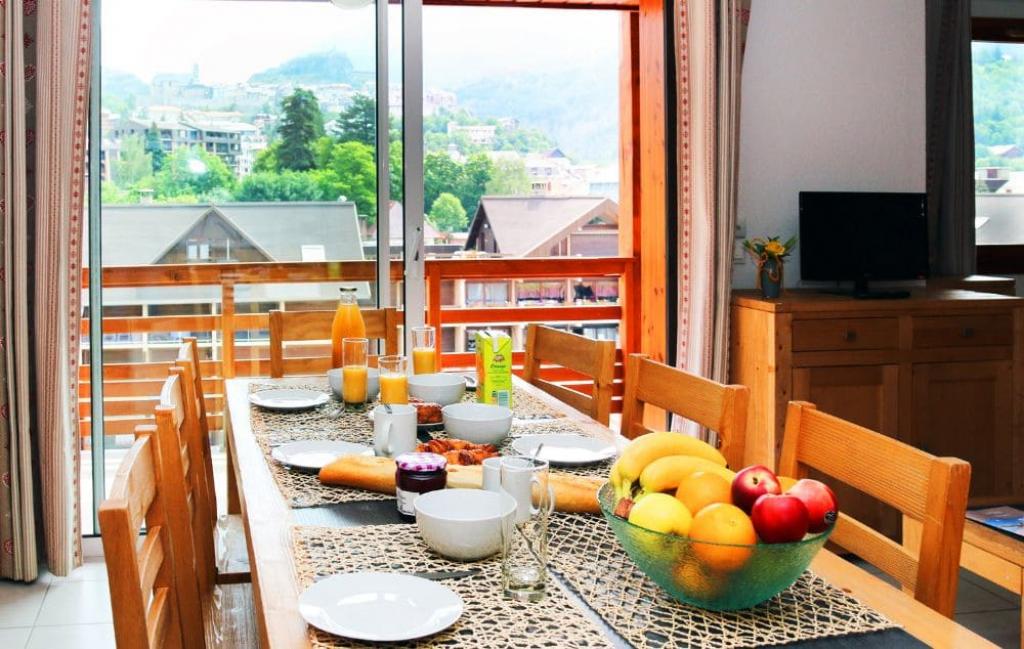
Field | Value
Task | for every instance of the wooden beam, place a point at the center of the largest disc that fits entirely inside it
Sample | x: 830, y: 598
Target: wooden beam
x: 629, y: 178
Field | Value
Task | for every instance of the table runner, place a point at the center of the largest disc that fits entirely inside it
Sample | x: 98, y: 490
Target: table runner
x: 490, y: 621
x: 272, y: 428
x: 642, y: 613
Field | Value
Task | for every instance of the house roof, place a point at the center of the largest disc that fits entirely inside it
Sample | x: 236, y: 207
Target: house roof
x: 529, y: 225
x: 139, y: 235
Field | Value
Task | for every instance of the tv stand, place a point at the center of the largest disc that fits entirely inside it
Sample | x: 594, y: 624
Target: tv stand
x: 861, y: 291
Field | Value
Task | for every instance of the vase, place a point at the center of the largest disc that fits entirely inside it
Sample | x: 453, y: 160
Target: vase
x: 770, y: 278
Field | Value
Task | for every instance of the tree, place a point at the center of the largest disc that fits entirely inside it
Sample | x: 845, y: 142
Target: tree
x: 301, y: 125
x: 133, y: 164
x: 192, y: 173
x: 358, y: 122
x: 395, y: 156
x: 285, y: 186
x: 447, y: 214
x: 440, y: 174
x: 266, y: 160
x: 154, y: 148
x: 509, y: 178
x: 476, y: 171
x: 350, y: 171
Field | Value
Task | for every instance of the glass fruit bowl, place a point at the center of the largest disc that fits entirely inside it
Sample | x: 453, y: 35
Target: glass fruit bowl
x: 715, y: 576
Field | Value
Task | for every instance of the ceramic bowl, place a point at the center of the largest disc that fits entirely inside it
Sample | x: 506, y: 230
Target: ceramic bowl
x: 443, y: 388
x: 463, y: 524
x: 372, y: 382
x: 480, y: 423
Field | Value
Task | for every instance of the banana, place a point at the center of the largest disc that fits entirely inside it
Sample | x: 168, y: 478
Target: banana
x: 666, y: 473
x: 647, y: 448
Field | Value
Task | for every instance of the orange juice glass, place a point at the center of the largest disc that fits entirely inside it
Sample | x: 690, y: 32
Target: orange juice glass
x: 424, y: 350
x: 355, y: 353
x: 348, y: 323
x: 394, y: 384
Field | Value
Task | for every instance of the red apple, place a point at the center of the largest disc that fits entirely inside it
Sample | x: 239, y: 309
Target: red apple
x: 751, y: 483
x: 779, y: 519
x: 821, y: 504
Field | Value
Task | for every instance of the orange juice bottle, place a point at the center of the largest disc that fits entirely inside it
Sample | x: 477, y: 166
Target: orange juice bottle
x: 348, y: 323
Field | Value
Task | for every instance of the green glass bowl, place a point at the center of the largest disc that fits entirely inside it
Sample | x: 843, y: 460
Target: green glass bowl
x: 692, y: 571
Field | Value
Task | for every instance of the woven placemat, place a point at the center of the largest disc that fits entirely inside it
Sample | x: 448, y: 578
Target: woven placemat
x: 489, y: 621
x: 642, y: 613
x: 271, y: 428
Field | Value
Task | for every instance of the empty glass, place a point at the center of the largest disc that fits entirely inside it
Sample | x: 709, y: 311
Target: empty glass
x: 354, y: 375
x: 524, y: 535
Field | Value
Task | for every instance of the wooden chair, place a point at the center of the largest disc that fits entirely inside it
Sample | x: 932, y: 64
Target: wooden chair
x: 213, y: 613
x: 929, y: 489
x: 223, y: 535
x: 593, y: 358
x: 143, y: 588
x: 715, y: 406
x: 381, y: 324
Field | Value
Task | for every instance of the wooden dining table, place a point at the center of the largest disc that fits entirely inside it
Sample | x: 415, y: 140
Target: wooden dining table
x: 269, y: 519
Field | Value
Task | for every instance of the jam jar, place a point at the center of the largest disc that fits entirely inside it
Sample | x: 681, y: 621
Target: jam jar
x: 415, y: 474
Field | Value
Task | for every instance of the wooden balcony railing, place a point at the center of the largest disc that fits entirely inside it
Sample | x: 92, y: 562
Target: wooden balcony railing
x: 130, y: 388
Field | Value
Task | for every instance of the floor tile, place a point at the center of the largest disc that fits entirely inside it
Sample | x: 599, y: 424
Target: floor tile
x: 80, y: 636
x: 999, y: 627
x: 93, y: 569
x: 973, y: 598
x: 15, y: 638
x: 75, y: 602
x: 20, y: 603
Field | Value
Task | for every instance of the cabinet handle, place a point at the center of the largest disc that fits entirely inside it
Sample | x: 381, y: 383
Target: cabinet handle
x: 967, y: 332
x: 850, y: 335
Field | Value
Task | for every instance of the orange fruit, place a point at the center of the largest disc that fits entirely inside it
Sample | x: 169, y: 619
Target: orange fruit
x: 697, y: 582
x: 701, y: 488
x: 721, y: 523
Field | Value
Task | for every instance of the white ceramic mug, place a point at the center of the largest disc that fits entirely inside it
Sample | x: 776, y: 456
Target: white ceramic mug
x: 394, y: 432
x: 492, y: 474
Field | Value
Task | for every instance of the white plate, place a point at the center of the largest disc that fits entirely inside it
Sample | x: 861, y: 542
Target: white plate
x: 379, y: 606
x: 566, y: 449
x: 313, y: 455
x: 288, y: 399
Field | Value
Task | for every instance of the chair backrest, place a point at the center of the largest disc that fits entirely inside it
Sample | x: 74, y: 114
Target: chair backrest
x: 288, y: 326
x: 195, y: 411
x: 143, y: 590
x: 592, y: 358
x: 926, y: 488
x: 718, y: 407
x: 179, y: 448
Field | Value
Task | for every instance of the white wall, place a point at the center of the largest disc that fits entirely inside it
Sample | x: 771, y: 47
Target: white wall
x: 833, y: 99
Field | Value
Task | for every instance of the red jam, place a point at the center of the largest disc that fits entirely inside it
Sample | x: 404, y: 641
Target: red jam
x: 415, y: 474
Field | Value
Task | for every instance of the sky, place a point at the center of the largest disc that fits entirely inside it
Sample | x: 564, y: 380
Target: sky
x: 232, y: 39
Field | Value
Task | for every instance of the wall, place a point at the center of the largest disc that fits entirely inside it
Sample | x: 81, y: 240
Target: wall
x: 998, y: 8
x: 833, y: 99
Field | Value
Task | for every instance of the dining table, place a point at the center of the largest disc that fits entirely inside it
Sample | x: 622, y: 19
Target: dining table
x: 271, y: 519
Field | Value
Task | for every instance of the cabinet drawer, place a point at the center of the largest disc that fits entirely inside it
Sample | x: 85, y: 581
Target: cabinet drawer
x: 845, y: 333
x: 963, y: 331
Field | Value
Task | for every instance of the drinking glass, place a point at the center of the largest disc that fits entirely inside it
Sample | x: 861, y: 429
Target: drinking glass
x: 394, y: 385
x: 424, y: 344
x: 354, y: 354
x: 524, y: 534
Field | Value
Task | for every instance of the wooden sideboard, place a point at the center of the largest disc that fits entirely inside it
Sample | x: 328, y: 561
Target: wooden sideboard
x: 942, y: 371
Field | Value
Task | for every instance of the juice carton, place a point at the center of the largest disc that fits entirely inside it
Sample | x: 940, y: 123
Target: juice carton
x: 494, y: 368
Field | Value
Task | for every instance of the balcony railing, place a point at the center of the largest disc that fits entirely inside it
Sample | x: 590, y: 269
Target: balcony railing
x: 130, y: 388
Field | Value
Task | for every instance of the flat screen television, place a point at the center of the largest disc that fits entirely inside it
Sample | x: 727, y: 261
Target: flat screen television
x: 862, y: 237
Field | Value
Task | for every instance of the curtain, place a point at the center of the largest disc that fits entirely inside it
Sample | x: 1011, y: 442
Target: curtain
x: 950, y: 137
x: 45, y: 70
x: 709, y: 41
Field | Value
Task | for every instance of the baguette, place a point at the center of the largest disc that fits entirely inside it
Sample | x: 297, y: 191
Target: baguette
x: 573, y: 494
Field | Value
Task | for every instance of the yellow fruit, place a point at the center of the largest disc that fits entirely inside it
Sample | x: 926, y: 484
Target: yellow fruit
x: 661, y: 513
x: 722, y: 524
x: 616, y: 480
x: 786, y: 482
x: 703, y: 488
x: 648, y: 448
x: 665, y: 473
x: 698, y: 582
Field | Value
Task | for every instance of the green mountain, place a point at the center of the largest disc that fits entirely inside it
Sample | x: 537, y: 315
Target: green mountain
x: 123, y: 84
x: 321, y: 67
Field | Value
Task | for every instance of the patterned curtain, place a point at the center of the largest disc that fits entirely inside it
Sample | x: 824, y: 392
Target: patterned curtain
x: 709, y: 39
x: 45, y: 92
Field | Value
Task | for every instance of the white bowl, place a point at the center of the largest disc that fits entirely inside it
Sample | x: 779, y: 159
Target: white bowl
x: 443, y: 387
x: 480, y: 423
x: 334, y: 377
x: 463, y: 524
